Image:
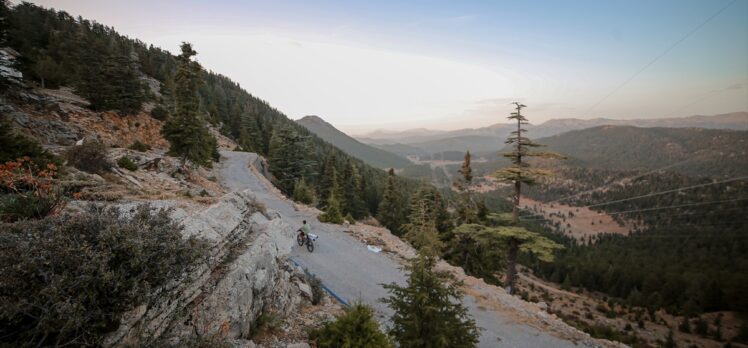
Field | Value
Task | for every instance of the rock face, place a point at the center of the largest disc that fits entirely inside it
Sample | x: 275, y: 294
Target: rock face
x: 246, y: 275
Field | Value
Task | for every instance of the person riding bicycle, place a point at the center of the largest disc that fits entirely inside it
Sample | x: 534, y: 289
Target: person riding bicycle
x: 305, y: 229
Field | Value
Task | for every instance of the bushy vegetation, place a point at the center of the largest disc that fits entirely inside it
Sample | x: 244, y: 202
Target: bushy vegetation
x: 139, y: 146
x: 354, y: 328
x: 127, y: 163
x: 14, y: 145
x: 160, y: 113
x: 89, y: 157
x: 67, y: 279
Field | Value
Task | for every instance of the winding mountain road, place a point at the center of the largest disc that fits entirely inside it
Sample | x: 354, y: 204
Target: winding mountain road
x: 346, y: 267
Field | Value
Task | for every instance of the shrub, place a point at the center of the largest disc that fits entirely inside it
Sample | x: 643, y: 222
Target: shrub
x: 14, y: 207
x: 89, y: 157
x: 28, y: 189
x: 266, y: 322
x: 14, y: 145
x: 160, y: 113
x: 139, y: 146
x: 67, y: 279
x: 127, y: 163
x: 317, y: 291
x: 355, y: 328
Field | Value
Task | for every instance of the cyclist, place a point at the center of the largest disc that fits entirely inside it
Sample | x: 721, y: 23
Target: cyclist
x: 305, y: 229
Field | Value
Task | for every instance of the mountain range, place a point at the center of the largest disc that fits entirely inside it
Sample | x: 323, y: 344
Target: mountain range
x: 488, y: 139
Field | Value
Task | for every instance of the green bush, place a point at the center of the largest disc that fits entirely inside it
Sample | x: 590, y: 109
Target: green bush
x: 355, y: 328
x: 127, y: 163
x: 14, y: 145
x: 160, y: 113
x: 89, y: 157
x: 139, y: 146
x: 27, y: 205
x: 67, y: 279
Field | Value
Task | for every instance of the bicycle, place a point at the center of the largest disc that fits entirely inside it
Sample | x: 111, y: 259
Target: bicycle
x: 302, y: 238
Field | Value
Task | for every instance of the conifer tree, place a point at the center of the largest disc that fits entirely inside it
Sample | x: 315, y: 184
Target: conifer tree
x: 303, y: 193
x: 421, y: 229
x: 353, y: 203
x: 520, y: 171
x: 186, y: 130
x: 288, y: 157
x: 329, y: 179
x: 390, y: 212
x: 356, y: 328
x: 428, y: 312
x: 467, y: 211
x: 333, y: 213
x: 517, y: 174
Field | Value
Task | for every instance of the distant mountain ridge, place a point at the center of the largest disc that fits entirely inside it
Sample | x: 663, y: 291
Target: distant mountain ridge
x: 369, y: 154
x: 482, y: 139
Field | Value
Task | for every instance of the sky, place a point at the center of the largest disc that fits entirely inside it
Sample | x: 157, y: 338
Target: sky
x: 366, y: 65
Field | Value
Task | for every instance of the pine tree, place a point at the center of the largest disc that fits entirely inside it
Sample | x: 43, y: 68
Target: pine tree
x: 333, y: 213
x: 356, y: 328
x: 421, y: 229
x: 185, y: 130
x: 517, y: 174
x: 328, y: 183
x: 520, y: 171
x: 353, y: 204
x: 428, y: 312
x: 288, y: 157
x: 390, y: 212
x: 467, y: 211
x: 303, y: 193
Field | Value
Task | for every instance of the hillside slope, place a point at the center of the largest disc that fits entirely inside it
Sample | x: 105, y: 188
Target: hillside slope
x: 369, y: 154
x: 693, y: 151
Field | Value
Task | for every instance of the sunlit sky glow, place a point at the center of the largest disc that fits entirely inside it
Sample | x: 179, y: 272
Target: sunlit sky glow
x: 455, y: 64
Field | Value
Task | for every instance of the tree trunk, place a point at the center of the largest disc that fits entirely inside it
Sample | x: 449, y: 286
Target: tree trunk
x: 511, y: 265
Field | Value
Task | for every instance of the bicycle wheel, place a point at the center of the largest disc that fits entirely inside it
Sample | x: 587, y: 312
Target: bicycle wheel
x: 299, y: 239
x: 309, y: 245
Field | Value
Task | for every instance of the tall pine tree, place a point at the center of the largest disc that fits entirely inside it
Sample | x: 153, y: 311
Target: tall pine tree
x: 520, y: 172
x: 391, y: 211
x: 186, y: 130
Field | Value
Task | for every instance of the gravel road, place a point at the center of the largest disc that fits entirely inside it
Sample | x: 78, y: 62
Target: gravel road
x: 346, y: 267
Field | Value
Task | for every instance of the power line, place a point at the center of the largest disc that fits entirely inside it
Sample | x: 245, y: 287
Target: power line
x: 662, y: 54
x: 624, y: 179
x: 653, y: 209
x: 667, y: 191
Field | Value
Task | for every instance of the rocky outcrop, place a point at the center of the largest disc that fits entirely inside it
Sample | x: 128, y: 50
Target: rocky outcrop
x: 245, y: 275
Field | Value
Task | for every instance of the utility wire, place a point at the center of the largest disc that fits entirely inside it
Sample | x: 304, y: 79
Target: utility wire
x: 622, y: 180
x: 662, y: 54
x: 668, y: 191
x: 653, y: 209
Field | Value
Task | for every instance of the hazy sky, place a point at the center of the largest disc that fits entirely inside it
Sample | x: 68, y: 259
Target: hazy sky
x: 455, y: 64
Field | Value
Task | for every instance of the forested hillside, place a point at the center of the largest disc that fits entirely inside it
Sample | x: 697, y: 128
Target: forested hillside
x: 373, y: 156
x: 694, y: 151
x: 114, y: 72
x: 691, y: 234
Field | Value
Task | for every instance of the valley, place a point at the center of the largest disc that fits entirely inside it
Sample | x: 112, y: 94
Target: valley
x: 146, y: 199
